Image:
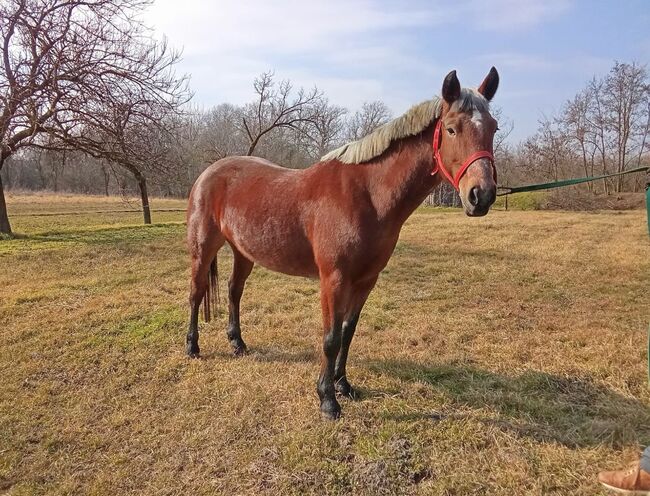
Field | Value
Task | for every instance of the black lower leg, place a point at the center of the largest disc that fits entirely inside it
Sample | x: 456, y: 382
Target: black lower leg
x: 341, y: 383
x: 234, y: 336
x: 330, y: 408
x: 192, y: 339
x: 241, y: 270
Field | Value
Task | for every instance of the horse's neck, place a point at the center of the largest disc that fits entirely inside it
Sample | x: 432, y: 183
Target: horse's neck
x: 400, y: 181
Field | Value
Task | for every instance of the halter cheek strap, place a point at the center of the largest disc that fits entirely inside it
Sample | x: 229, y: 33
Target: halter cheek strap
x: 439, y: 166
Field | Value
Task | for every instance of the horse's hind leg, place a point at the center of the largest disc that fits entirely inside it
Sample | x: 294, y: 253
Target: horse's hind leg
x: 204, y: 242
x: 241, y: 270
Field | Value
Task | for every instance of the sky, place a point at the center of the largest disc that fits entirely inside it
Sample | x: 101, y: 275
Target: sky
x: 400, y: 51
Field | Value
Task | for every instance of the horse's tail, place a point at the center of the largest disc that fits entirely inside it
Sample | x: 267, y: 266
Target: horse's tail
x: 211, y: 298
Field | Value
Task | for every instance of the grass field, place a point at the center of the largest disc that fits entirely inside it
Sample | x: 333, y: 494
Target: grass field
x: 502, y: 355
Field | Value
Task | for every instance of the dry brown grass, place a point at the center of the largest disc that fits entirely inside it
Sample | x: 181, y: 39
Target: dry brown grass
x: 502, y: 355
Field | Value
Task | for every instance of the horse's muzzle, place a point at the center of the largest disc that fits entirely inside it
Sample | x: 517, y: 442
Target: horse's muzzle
x: 479, y: 201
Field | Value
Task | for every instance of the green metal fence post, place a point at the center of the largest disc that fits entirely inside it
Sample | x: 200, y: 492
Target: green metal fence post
x: 647, y: 207
x: 647, y: 201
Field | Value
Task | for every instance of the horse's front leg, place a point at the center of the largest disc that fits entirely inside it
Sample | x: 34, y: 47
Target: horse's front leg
x: 341, y: 384
x: 358, y: 297
x: 333, y: 298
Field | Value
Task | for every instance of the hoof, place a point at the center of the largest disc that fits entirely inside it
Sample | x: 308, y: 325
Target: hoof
x: 344, y: 389
x: 239, y: 351
x: 330, y: 415
x: 238, y: 348
x: 330, y: 410
x: 192, y: 350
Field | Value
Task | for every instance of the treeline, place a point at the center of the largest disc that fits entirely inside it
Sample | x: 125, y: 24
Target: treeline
x: 603, y: 129
x: 291, y: 128
x: 91, y: 103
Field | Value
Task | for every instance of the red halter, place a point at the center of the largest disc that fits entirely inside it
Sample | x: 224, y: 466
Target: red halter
x: 454, y: 180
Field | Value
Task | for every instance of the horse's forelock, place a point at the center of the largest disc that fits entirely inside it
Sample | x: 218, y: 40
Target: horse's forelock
x: 469, y: 101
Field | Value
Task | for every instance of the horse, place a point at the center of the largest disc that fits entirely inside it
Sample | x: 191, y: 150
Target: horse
x: 338, y: 220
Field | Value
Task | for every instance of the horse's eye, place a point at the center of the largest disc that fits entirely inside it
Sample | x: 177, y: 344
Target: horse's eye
x: 451, y: 131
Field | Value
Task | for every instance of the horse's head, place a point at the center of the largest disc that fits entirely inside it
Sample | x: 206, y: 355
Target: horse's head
x: 464, y: 139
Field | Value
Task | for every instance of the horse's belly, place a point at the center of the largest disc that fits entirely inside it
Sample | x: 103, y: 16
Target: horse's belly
x: 285, y: 259
x: 291, y: 267
x: 278, y: 245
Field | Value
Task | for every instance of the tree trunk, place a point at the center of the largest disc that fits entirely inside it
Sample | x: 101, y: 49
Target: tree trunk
x: 144, y: 195
x: 58, y: 170
x: 585, y: 165
x: 619, y: 179
x: 41, y: 172
x: 107, y: 179
x: 5, y: 226
x: 252, y: 146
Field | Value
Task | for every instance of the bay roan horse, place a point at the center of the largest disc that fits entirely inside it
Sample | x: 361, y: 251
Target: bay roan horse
x: 338, y: 220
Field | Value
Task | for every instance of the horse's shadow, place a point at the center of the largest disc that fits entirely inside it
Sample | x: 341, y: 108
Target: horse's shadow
x: 266, y: 354
x: 571, y: 411
x: 277, y: 354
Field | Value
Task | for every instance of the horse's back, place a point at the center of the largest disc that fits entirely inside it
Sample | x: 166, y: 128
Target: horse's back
x: 257, y: 206
x: 231, y: 177
x: 233, y: 169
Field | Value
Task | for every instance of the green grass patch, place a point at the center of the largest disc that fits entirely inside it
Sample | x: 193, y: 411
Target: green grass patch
x: 531, y: 200
x: 53, y: 240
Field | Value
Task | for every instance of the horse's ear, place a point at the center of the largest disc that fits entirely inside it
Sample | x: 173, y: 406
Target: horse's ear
x: 451, y: 88
x: 490, y: 84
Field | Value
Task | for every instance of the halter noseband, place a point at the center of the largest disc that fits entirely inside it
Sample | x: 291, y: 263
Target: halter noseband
x: 439, y: 166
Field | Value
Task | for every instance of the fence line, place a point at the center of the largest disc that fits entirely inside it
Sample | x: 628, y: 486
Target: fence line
x: 54, y: 214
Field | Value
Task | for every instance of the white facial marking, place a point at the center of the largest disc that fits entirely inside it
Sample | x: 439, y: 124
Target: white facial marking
x: 477, y: 118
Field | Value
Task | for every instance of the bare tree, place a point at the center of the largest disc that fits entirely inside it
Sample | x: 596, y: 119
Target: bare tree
x: 64, y: 62
x: 328, y: 128
x: 579, y: 130
x: 186, y: 153
x: 276, y: 108
x: 504, y: 129
x: 135, y: 135
x: 221, y: 133
x: 598, y: 122
x: 548, y: 150
x: 626, y: 96
x: 367, y: 119
x: 609, y: 121
x: 642, y: 137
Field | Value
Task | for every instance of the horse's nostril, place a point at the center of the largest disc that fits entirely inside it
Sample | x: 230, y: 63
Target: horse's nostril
x: 474, y: 195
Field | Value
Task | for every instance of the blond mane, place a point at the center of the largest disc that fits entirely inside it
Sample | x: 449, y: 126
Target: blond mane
x: 413, y: 122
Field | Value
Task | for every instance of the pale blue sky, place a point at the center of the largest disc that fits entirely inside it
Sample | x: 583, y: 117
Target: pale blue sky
x: 399, y: 51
